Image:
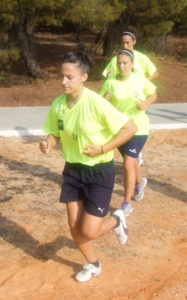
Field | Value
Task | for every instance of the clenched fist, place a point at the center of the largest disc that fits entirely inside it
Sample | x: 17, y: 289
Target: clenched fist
x: 45, y: 147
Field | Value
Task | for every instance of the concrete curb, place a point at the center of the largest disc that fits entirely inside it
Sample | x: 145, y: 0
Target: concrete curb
x: 25, y: 121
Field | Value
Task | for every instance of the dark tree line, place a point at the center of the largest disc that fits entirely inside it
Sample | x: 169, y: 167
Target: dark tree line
x: 151, y: 19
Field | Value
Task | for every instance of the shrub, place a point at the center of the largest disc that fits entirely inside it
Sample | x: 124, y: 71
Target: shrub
x: 7, y: 57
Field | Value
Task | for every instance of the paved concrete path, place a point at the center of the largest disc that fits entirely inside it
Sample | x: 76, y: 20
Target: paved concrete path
x: 23, y: 121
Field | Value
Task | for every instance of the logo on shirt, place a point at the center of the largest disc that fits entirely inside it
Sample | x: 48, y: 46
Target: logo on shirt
x: 74, y: 137
x: 60, y: 124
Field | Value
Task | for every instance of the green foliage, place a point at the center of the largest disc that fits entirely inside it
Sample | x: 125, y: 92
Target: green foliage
x: 7, y: 57
x: 182, y: 17
x: 158, y: 29
x: 155, y: 18
x: 27, y: 11
x: 93, y: 14
x: 151, y: 20
x: 2, y: 75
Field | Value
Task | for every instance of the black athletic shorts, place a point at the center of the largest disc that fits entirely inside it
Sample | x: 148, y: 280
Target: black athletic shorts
x: 91, y: 184
x: 134, y: 146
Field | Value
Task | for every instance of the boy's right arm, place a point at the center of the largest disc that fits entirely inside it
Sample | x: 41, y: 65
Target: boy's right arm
x: 48, y: 144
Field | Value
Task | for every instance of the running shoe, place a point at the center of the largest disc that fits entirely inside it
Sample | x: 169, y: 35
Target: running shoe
x: 121, y: 231
x: 88, y: 271
x: 139, y: 190
x: 126, y: 208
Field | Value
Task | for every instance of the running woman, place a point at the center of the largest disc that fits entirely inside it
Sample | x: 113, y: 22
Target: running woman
x: 131, y: 94
x: 142, y: 64
x: 81, y: 120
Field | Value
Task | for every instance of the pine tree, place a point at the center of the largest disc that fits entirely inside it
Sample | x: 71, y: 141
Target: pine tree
x: 93, y: 15
x: 18, y: 17
x: 151, y: 18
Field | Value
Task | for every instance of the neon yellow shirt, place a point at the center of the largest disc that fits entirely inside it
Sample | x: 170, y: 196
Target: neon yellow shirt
x: 125, y: 96
x: 142, y: 65
x: 91, y: 121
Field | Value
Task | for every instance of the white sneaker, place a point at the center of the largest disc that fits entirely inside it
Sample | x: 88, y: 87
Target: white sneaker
x: 126, y: 208
x: 139, y: 190
x: 88, y: 271
x: 121, y: 231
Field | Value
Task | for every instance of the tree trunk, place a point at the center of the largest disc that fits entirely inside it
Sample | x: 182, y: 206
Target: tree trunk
x: 112, y: 37
x: 27, y: 52
x: 115, y: 30
x: 99, y: 41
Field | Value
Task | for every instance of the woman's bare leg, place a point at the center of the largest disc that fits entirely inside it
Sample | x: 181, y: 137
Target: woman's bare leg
x: 85, y: 227
x: 138, y: 173
x: 130, y: 168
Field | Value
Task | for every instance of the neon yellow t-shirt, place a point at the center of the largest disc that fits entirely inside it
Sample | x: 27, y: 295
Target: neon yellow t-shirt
x: 125, y: 96
x: 91, y: 121
x: 142, y: 65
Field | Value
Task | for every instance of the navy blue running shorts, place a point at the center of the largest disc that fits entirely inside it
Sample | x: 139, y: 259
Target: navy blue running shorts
x: 134, y: 146
x: 91, y: 184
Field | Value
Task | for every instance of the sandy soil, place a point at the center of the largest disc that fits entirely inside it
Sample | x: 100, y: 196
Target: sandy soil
x: 38, y: 258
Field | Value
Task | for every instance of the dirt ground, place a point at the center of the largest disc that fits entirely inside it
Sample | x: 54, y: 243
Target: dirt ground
x: 38, y: 258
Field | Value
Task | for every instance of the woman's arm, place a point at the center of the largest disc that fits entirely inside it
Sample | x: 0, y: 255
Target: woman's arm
x: 109, y: 74
x: 125, y: 134
x: 155, y: 75
x: 144, y: 104
x: 50, y: 142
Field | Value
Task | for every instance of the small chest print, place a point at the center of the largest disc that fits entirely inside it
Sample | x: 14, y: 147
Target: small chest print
x: 74, y: 137
x: 60, y: 124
